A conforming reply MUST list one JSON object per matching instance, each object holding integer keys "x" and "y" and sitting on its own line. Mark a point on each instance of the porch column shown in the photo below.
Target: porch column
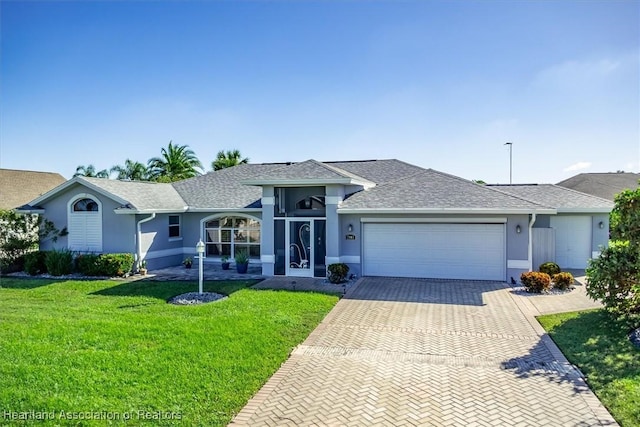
{"x": 334, "y": 195}
{"x": 267, "y": 256}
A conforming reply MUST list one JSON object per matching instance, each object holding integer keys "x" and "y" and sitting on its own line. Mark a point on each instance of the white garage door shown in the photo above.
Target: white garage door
{"x": 444, "y": 251}
{"x": 573, "y": 240}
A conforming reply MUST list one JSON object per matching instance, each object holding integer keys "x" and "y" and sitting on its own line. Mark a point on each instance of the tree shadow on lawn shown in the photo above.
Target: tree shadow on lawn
{"x": 593, "y": 341}
{"x": 26, "y": 282}
{"x": 169, "y": 289}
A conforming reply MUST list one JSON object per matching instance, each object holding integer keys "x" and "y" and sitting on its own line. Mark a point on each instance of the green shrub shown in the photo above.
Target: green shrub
{"x": 551, "y": 268}
{"x": 116, "y": 264}
{"x": 614, "y": 279}
{"x": 89, "y": 265}
{"x": 338, "y": 272}
{"x": 563, "y": 281}
{"x": 12, "y": 265}
{"x": 59, "y": 262}
{"x": 35, "y": 263}
{"x": 536, "y": 282}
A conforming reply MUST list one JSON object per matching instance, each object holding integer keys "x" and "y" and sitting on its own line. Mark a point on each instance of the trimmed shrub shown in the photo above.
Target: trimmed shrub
{"x": 89, "y": 265}
{"x": 536, "y": 282}
{"x": 116, "y": 264}
{"x": 59, "y": 262}
{"x": 35, "y": 263}
{"x": 563, "y": 281}
{"x": 551, "y": 268}
{"x": 614, "y": 279}
{"x": 338, "y": 272}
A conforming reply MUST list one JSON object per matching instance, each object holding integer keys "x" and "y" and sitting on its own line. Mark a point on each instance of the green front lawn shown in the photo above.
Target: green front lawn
{"x": 117, "y": 350}
{"x": 599, "y": 346}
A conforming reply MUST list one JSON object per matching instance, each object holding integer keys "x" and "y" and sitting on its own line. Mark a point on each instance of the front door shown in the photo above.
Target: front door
{"x": 305, "y": 247}
{"x": 300, "y": 253}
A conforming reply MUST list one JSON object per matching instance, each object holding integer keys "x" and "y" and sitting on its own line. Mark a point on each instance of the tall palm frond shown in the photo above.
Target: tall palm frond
{"x": 90, "y": 172}
{"x": 132, "y": 171}
{"x": 228, "y": 159}
{"x": 176, "y": 162}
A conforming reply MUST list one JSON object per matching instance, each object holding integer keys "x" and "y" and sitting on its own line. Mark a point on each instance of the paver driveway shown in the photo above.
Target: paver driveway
{"x": 425, "y": 352}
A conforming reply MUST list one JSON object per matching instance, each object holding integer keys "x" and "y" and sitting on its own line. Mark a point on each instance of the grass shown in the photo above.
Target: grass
{"x": 599, "y": 346}
{"x": 113, "y": 349}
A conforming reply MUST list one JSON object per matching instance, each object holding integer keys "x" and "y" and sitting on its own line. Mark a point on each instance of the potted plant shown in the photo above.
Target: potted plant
{"x": 143, "y": 268}
{"x": 242, "y": 261}
{"x": 225, "y": 262}
{"x": 188, "y": 262}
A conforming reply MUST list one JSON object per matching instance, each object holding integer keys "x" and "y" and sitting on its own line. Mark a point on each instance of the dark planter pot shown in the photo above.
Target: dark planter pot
{"x": 242, "y": 268}
{"x": 187, "y": 265}
{"x": 225, "y": 265}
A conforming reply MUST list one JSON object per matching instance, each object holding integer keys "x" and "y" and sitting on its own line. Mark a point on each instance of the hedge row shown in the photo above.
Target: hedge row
{"x": 63, "y": 262}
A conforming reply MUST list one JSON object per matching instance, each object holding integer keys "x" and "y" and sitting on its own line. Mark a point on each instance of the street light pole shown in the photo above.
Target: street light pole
{"x": 510, "y": 144}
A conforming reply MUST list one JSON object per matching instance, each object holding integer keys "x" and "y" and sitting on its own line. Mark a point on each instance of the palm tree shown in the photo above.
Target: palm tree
{"x": 226, "y": 160}
{"x": 132, "y": 171}
{"x": 176, "y": 163}
{"x": 90, "y": 172}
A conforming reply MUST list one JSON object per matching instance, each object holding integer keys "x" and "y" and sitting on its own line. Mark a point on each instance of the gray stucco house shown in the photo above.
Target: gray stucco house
{"x": 381, "y": 217}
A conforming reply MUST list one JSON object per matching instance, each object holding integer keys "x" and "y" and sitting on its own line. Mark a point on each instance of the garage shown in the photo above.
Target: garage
{"x": 435, "y": 250}
{"x": 573, "y": 240}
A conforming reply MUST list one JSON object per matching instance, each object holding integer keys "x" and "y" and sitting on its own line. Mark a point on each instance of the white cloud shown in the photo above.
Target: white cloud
{"x": 576, "y": 73}
{"x": 578, "y": 166}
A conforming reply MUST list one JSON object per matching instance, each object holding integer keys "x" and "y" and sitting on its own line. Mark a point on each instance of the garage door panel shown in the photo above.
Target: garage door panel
{"x": 457, "y": 251}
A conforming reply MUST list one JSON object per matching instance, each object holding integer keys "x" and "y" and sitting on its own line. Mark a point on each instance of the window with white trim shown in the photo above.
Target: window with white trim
{"x": 174, "y": 226}
{"x": 84, "y": 222}
{"x": 226, "y": 236}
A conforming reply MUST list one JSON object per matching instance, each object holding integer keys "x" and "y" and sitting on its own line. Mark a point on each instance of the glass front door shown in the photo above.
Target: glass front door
{"x": 300, "y": 249}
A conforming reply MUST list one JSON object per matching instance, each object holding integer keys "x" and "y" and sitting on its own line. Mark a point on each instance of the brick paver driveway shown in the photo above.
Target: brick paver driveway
{"x": 424, "y": 352}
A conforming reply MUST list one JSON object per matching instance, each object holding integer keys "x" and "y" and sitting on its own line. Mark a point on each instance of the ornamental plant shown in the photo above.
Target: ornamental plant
{"x": 562, "y": 281}
{"x": 338, "y": 272}
{"x": 536, "y": 282}
{"x": 551, "y": 268}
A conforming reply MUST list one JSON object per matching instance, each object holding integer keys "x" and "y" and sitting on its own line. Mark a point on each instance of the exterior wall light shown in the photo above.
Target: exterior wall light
{"x": 601, "y": 224}
{"x": 518, "y": 229}
{"x": 350, "y": 228}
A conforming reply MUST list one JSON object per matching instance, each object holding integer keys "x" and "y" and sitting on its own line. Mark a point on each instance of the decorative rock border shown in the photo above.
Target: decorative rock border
{"x": 193, "y": 298}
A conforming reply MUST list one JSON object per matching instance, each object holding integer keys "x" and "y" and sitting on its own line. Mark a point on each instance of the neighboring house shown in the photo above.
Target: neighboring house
{"x": 381, "y": 217}
{"x": 605, "y": 185}
{"x": 18, "y": 187}
{"x": 575, "y": 234}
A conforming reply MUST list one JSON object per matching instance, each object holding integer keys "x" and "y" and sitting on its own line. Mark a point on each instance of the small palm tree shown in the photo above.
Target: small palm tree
{"x": 228, "y": 159}
{"x": 132, "y": 171}
{"x": 177, "y": 162}
{"x": 90, "y": 172}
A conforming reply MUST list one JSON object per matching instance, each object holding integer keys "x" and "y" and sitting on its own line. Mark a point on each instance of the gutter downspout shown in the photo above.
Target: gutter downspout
{"x": 530, "y": 248}
{"x": 139, "y": 237}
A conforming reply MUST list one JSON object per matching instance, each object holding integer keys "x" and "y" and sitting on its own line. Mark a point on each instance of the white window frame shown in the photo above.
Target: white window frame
{"x": 73, "y": 216}
{"x": 232, "y": 229}
{"x": 178, "y": 225}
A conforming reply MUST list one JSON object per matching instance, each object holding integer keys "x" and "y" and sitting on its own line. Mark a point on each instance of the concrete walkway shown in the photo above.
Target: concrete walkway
{"x": 423, "y": 352}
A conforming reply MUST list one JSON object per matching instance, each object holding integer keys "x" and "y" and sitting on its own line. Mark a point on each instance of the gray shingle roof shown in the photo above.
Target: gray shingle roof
{"x": 140, "y": 195}
{"x": 558, "y": 197}
{"x": 18, "y": 187}
{"x": 430, "y": 189}
{"x": 222, "y": 189}
{"x": 605, "y": 185}
{"x": 379, "y": 171}
{"x": 308, "y": 171}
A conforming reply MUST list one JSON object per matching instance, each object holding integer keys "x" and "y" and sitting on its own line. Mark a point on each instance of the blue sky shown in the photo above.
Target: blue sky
{"x": 438, "y": 84}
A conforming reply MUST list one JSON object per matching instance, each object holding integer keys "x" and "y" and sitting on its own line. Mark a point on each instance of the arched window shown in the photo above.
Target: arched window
{"x": 227, "y": 235}
{"x": 85, "y": 205}
{"x": 85, "y": 223}
{"x": 311, "y": 202}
